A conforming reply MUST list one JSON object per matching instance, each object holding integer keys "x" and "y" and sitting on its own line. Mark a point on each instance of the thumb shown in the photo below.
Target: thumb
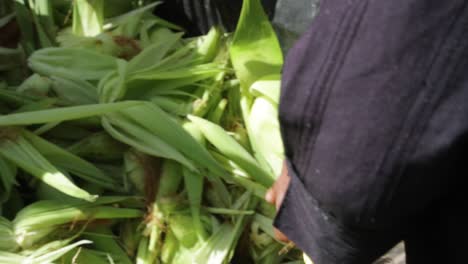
{"x": 270, "y": 196}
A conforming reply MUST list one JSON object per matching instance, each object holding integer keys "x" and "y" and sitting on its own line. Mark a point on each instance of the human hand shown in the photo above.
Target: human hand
{"x": 275, "y": 196}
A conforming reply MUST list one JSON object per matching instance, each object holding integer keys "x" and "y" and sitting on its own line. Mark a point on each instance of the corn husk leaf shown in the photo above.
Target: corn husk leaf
{"x": 72, "y": 63}
{"x": 255, "y": 51}
{"x": 23, "y": 154}
{"x": 63, "y": 114}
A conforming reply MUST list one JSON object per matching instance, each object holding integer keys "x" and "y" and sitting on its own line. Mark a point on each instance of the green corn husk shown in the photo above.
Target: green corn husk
{"x": 268, "y": 87}
{"x": 72, "y": 163}
{"x": 54, "y": 250}
{"x": 264, "y": 124}
{"x": 115, "y": 94}
{"x": 170, "y": 180}
{"x": 229, "y": 147}
{"x": 45, "y": 254}
{"x": 43, "y": 17}
{"x": 216, "y": 114}
{"x": 63, "y": 114}
{"x": 155, "y": 53}
{"x": 7, "y": 236}
{"x": 194, "y": 187}
{"x": 135, "y": 171}
{"x": 221, "y": 244}
{"x": 11, "y": 258}
{"x": 85, "y": 255}
{"x": 16, "y": 98}
{"x": 10, "y": 58}
{"x": 23, "y": 154}
{"x": 88, "y": 17}
{"x": 37, "y": 106}
{"x": 25, "y": 22}
{"x": 173, "y": 105}
{"x": 130, "y": 236}
{"x": 210, "y": 44}
{"x": 7, "y": 179}
{"x": 169, "y": 248}
{"x": 179, "y": 222}
{"x": 98, "y": 146}
{"x": 72, "y": 63}
{"x": 255, "y": 52}
{"x": 105, "y": 241}
{"x": 126, "y": 131}
{"x": 239, "y": 176}
{"x": 35, "y": 85}
{"x": 143, "y": 256}
{"x": 74, "y": 92}
{"x": 173, "y": 133}
{"x": 38, "y": 220}
{"x": 13, "y": 205}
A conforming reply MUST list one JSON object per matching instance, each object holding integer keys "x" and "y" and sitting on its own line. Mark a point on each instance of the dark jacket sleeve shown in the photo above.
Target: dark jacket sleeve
{"x": 374, "y": 119}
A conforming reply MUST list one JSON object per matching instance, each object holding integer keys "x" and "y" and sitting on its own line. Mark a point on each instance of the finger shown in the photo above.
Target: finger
{"x": 280, "y": 236}
{"x": 271, "y": 196}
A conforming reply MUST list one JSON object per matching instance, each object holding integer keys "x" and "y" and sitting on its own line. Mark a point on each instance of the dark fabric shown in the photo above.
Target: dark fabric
{"x": 439, "y": 235}
{"x": 374, "y": 117}
{"x": 322, "y": 237}
{"x": 290, "y": 18}
{"x": 198, "y": 16}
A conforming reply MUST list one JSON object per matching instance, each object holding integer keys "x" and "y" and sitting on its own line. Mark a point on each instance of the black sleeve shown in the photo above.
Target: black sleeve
{"x": 374, "y": 117}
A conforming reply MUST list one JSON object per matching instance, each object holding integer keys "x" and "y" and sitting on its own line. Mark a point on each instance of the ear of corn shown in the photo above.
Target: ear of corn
{"x": 38, "y": 220}
{"x": 264, "y": 124}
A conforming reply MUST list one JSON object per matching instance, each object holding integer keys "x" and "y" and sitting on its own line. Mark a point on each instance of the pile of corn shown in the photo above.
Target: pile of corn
{"x": 122, "y": 141}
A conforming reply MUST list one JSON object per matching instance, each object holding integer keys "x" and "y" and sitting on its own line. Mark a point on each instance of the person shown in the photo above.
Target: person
{"x": 374, "y": 118}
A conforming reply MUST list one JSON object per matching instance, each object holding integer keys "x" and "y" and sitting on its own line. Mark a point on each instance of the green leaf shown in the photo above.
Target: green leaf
{"x": 266, "y": 135}
{"x": 155, "y": 53}
{"x": 22, "y": 153}
{"x": 7, "y": 179}
{"x": 269, "y": 87}
{"x": 194, "y": 187}
{"x": 126, "y": 131}
{"x": 88, "y": 17}
{"x": 71, "y": 163}
{"x": 7, "y": 236}
{"x": 171, "y": 132}
{"x": 228, "y": 146}
{"x": 74, "y": 92}
{"x": 63, "y": 114}
{"x": 72, "y": 63}
{"x": 255, "y": 50}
